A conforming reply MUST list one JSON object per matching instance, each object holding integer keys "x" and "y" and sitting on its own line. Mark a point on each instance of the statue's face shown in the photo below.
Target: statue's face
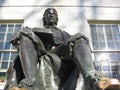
{"x": 50, "y": 17}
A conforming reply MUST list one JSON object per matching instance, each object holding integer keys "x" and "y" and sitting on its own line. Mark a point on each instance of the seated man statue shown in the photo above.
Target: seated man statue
{"x": 50, "y": 59}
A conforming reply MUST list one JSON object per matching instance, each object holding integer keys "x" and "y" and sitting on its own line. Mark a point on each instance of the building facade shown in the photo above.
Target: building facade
{"x": 99, "y": 20}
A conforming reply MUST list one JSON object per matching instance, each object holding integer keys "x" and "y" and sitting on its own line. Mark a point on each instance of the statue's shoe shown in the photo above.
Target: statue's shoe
{"x": 17, "y": 88}
{"x": 109, "y": 84}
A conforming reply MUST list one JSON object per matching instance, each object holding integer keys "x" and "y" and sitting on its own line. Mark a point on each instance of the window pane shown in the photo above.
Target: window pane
{"x": 96, "y": 56}
{"x": 1, "y": 45}
{"x": 108, "y": 33}
{"x": 108, "y": 74}
{"x": 94, "y": 33}
{"x": 17, "y": 27}
{"x": 117, "y": 45}
{"x": 115, "y": 74}
{"x": 0, "y": 55}
{"x": 11, "y": 63}
{"x": 109, "y": 37}
{"x": 13, "y": 47}
{"x": 112, "y": 57}
{"x": 100, "y": 32}
{"x": 106, "y": 68}
{"x": 2, "y": 36}
{"x": 116, "y": 36}
{"x": 95, "y": 45}
{"x": 111, "y": 45}
{"x": 4, "y": 65}
{"x": 102, "y": 57}
{"x": 115, "y": 68}
{"x": 102, "y": 46}
{"x": 6, "y": 55}
{"x": 115, "y": 32}
{"x": 3, "y": 28}
{"x": 115, "y": 28}
{"x": 118, "y": 56}
{"x": 10, "y": 27}
{"x": 13, "y": 55}
{"x": 2, "y": 74}
{"x": 7, "y": 45}
{"x": 9, "y": 36}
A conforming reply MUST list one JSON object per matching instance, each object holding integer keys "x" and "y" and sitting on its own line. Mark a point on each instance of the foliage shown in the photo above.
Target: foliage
{"x": 2, "y": 78}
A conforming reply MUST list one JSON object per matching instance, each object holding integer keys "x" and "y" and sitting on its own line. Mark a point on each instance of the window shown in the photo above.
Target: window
{"x": 106, "y": 48}
{"x": 7, "y": 50}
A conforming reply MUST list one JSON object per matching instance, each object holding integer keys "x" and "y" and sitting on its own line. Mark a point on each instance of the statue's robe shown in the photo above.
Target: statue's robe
{"x": 56, "y": 68}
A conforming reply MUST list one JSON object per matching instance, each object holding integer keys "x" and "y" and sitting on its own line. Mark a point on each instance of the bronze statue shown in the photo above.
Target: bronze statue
{"x": 50, "y": 59}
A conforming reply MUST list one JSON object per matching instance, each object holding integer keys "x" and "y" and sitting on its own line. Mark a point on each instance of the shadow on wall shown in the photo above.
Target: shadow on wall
{"x": 38, "y": 9}
{"x": 34, "y": 17}
{"x": 1, "y": 4}
{"x": 84, "y": 6}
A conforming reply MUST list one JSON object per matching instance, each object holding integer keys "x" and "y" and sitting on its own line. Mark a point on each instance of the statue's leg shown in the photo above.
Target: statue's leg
{"x": 82, "y": 56}
{"x": 78, "y": 50}
{"x": 28, "y": 57}
{"x": 83, "y": 59}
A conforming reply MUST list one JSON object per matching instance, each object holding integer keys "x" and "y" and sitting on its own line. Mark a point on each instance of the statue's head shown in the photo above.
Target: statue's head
{"x": 50, "y": 17}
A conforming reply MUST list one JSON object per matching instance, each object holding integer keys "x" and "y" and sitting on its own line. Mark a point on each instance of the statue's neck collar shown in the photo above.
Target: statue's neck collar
{"x": 50, "y": 26}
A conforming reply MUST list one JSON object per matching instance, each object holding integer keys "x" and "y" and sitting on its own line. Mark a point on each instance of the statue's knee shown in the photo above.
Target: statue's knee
{"x": 26, "y": 43}
{"x": 26, "y": 39}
